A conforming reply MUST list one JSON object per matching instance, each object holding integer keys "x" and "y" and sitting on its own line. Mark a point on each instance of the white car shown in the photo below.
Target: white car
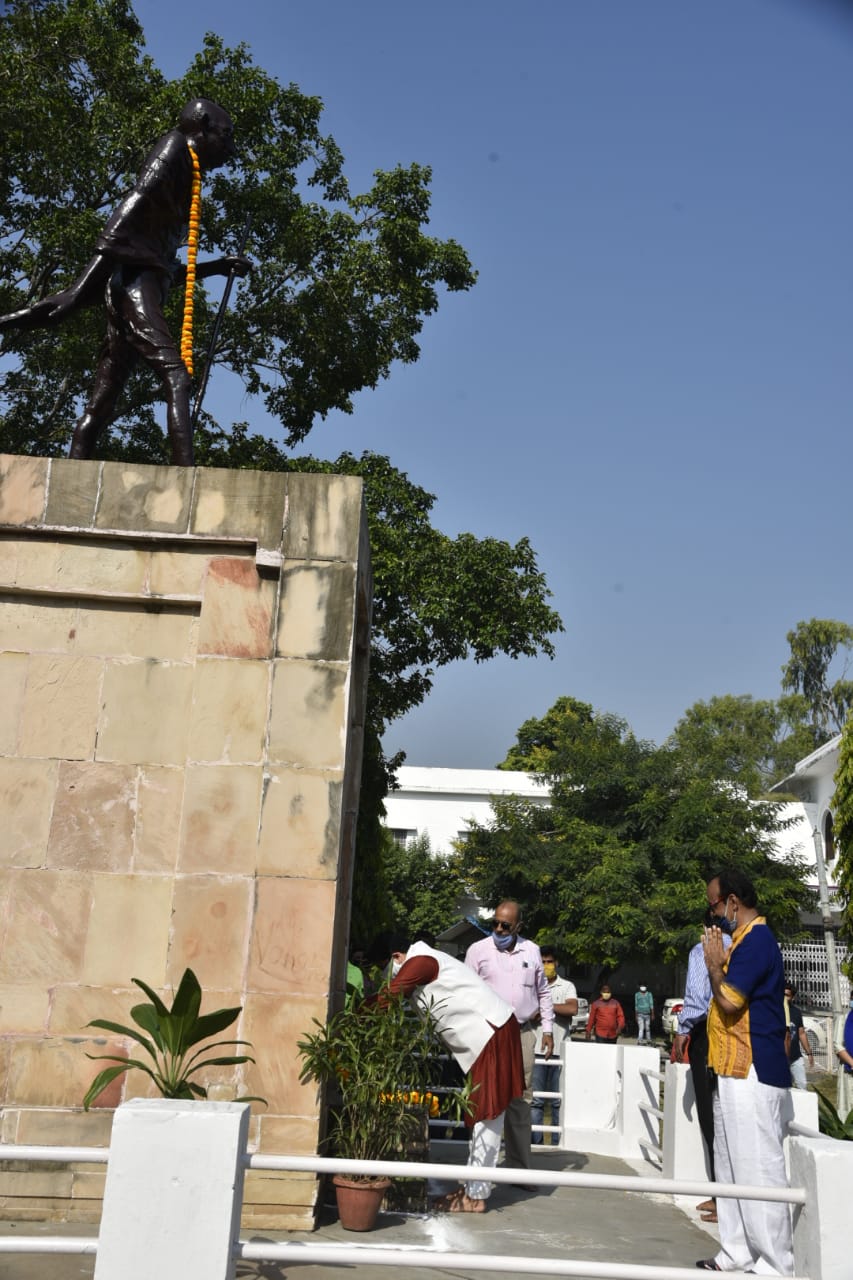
{"x": 669, "y": 1018}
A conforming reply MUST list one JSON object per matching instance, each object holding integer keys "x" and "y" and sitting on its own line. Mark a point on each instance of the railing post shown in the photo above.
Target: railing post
{"x": 174, "y": 1190}
{"x": 636, "y": 1125}
{"x": 684, "y": 1154}
{"x": 824, "y": 1166}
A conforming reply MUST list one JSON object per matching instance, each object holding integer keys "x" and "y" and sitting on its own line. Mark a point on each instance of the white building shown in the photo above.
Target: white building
{"x": 440, "y": 803}
{"x": 813, "y": 783}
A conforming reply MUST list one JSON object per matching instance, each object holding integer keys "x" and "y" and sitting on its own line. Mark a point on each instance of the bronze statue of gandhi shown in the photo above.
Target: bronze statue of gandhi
{"x": 134, "y": 266}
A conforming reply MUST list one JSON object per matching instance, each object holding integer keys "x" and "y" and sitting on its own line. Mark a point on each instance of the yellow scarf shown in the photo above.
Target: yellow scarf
{"x": 729, "y": 1043}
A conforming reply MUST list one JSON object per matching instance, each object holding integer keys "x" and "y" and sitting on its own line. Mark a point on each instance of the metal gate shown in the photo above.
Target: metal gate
{"x": 806, "y": 967}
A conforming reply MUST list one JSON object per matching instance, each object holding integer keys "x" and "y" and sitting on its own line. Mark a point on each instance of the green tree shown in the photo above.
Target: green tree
{"x": 815, "y": 646}
{"x": 733, "y": 736}
{"x": 424, "y": 888}
{"x": 842, "y": 808}
{"x": 343, "y": 280}
{"x": 538, "y": 739}
{"x": 616, "y": 867}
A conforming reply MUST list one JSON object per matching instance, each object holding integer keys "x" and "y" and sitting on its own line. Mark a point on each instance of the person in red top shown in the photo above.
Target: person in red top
{"x": 481, "y": 1031}
{"x": 606, "y": 1018}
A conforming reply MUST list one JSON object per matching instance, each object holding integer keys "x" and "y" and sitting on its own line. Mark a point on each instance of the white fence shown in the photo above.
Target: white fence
{"x": 174, "y": 1191}
{"x": 174, "y": 1182}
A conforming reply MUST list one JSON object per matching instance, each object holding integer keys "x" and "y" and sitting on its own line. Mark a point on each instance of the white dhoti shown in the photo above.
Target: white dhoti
{"x": 750, "y": 1120}
{"x": 484, "y": 1150}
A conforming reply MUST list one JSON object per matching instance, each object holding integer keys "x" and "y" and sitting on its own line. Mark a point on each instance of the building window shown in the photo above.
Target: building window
{"x": 829, "y": 849}
{"x": 402, "y": 836}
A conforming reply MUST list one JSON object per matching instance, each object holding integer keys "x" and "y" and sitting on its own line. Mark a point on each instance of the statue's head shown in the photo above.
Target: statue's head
{"x": 211, "y": 131}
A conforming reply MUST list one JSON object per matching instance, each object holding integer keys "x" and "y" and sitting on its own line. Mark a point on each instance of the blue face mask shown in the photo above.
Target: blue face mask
{"x": 503, "y": 941}
{"x": 725, "y": 925}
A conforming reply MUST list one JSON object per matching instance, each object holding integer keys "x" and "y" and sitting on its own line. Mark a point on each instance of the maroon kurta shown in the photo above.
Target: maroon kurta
{"x": 498, "y": 1071}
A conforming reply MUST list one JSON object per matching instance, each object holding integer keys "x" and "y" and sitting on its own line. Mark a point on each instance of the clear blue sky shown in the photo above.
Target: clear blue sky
{"x": 652, "y": 379}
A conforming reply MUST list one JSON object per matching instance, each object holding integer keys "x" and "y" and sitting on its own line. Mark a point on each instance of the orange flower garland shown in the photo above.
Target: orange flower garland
{"x": 192, "y": 254}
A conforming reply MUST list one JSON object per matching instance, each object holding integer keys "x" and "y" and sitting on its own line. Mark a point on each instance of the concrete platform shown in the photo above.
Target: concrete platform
{"x": 594, "y": 1226}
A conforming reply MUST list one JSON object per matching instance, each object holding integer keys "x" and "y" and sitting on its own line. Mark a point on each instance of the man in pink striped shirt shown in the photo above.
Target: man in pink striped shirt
{"x": 512, "y": 967}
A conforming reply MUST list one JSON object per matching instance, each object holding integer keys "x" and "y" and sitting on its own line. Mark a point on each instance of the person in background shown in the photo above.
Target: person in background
{"x": 692, "y": 1040}
{"x": 355, "y": 977}
{"x": 644, "y": 1010}
{"x": 547, "y": 1075}
{"x": 752, "y": 1103}
{"x": 796, "y": 1039}
{"x": 512, "y": 966}
{"x": 606, "y": 1017}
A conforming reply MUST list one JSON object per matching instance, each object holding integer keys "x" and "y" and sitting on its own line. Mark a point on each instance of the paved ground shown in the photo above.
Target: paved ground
{"x": 594, "y": 1226}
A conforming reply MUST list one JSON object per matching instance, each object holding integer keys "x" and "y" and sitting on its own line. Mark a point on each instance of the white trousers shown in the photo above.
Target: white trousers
{"x": 750, "y": 1119}
{"x": 798, "y": 1074}
{"x": 484, "y": 1149}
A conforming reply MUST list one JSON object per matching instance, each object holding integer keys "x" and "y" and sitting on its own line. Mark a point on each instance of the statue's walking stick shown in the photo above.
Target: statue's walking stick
{"x": 214, "y": 337}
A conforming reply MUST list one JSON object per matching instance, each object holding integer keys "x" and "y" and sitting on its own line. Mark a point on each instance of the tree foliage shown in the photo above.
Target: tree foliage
{"x": 814, "y": 647}
{"x": 616, "y": 867}
{"x": 741, "y": 738}
{"x": 757, "y": 742}
{"x": 424, "y": 888}
{"x": 343, "y": 280}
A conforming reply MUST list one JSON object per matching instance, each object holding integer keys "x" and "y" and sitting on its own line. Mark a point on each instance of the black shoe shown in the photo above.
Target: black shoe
{"x": 707, "y": 1264}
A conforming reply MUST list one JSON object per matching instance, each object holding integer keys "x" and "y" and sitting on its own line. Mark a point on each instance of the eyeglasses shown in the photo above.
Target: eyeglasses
{"x": 715, "y": 903}
{"x": 501, "y": 926}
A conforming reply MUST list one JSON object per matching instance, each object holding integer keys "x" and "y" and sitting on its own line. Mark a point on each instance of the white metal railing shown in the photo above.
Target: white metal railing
{"x": 653, "y": 1147}
{"x": 460, "y": 1173}
{"x": 541, "y": 1093}
{"x": 347, "y": 1255}
{"x": 804, "y": 1130}
{"x": 533, "y": 1177}
{"x": 438, "y": 1127}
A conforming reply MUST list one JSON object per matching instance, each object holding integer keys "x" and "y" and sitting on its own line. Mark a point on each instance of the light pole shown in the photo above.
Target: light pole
{"x": 829, "y": 943}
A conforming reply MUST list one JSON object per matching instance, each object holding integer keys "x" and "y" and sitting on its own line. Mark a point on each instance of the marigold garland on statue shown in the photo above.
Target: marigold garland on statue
{"x": 192, "y": 255}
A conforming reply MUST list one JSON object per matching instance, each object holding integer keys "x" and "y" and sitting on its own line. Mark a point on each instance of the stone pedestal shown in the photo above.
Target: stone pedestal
{"x": 183, "y": 658}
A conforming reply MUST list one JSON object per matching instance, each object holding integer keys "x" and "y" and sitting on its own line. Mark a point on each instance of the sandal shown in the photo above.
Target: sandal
{"x": 707, "y": 1205}
{"x": 464, "y": 1204}
{"x": 444, "y": 1204}
{"x": 708, "y": 1264}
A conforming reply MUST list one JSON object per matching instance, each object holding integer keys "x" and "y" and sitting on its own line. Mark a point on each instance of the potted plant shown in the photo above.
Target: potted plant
{"x": 168, "y": 1036}
{"x": 375, "y": 1062}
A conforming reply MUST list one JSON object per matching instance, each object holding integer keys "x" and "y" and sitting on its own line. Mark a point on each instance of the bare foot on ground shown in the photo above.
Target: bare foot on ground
{"x": 458, "y": 1202}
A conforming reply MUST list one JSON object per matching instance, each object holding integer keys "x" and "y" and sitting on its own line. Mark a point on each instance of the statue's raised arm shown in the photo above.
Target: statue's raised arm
{"x": 134, "y": 266}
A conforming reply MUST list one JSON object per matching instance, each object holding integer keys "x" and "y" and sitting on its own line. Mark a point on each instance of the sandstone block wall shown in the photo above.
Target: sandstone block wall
{"x": 183, "y": 655}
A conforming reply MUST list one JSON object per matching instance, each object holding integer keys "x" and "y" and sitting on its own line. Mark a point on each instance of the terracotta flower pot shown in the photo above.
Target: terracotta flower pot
{"x": 359, "y": 1200}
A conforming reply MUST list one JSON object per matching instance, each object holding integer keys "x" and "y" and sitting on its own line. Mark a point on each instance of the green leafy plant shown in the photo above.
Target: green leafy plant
{"x": 377, "y": 1063}
{"x": 830, "y": 1121}
{"x": 170, "y": 1036}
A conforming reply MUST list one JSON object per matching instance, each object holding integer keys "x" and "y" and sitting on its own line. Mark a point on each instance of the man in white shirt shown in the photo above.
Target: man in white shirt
{"x": 547, "y": 1076}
